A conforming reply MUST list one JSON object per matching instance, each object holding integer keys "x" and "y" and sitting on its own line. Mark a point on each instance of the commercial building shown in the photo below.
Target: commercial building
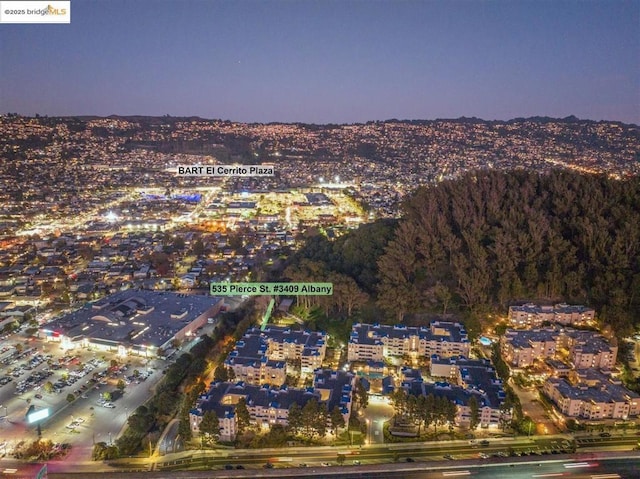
{"x": 374, "y": 342}
{"x": 133, "y": 322}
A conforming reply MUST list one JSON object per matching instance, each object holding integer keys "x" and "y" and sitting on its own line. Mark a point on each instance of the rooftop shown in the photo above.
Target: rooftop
{"x": 132, "y": 317}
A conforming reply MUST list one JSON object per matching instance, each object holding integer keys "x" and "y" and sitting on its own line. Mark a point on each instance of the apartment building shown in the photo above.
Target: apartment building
{"x": 286, "y": 344}
{"x": 602, "y": 399}
{"x": 586, "y": 349}
{"x": 464, "y": 379}
{"x": 521, "y": 348}
{"x": 262, "y": 357}
{"x": 374, "y": 342}
{"x": 269, "y": 405}
{"x": 533, "y": 315}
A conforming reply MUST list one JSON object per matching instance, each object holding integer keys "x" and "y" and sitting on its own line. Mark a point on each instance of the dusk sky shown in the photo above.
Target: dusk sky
{"x": 328, "y": 61}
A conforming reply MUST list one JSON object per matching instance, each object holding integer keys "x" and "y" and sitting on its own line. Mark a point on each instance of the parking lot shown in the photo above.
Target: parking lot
{"x": 72, "y": 385}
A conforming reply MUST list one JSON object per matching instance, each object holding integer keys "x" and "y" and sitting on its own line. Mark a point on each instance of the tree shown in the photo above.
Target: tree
{"x": 198, "y": 247}
{"x": 398, "y": 292}
{"x": 474, "y": 412}
{"x": 429, "y": 411}
{"x": 121, "y": 385}
{"x": 166, "y": 402}
{"x": 399, "y": 400}
{"x": 140, "y": 421}
{"x": 276, "y": 437}
{"x": 443, "y": 295}
{"x": 48, "y": 387}
{"x": 294, "y": 419}
{"x": 337, "y": 419}
{"x": 243, "y": 416}
{"x": 106, "y": 396}
{"x": 210, "y": 427}
{"x": 310, "y": 413}
{"x": 451, "y": 412}
{"x": 347, "y": 295}
{"x": 178, "y": 243}
{"x": 322, "y": 418}
{"x": 70, "y": 398}
{"x": 199, "y": 388}
{"x": 221, "y": 373}
{"x": 361, "y": 397}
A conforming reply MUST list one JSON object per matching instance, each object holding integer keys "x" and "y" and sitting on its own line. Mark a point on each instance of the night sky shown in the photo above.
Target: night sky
{"x": 328, "y": 61}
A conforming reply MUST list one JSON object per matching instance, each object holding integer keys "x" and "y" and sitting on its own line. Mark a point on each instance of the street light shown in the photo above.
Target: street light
{"x": 368, "y": 431}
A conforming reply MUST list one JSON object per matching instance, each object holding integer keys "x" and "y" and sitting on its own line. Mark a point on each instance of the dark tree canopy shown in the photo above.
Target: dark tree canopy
{"x": 491, "y": 238}
{"x": 486, "y": 240}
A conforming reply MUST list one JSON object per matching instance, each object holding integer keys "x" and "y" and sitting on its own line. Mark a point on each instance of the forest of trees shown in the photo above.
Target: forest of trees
{"x": 488, "y": 239}
{"x": 491, "y": 238}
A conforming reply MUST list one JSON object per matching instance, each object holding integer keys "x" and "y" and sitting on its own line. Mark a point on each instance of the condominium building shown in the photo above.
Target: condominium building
{"x": 586, "y": 349}
{"x": 521, "y": 348}
{"x": 464, "y": 378}
{"x": 260, "y": 357}
{"x": 589, "y": 350}
{"x": 602, "y": 399}
{"x": 374, "y": 342}
{"x": 269, "y": 405}
{"x": 533, "y": 315}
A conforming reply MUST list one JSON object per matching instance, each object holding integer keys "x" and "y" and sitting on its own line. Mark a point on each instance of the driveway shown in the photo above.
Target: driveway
{"x": 377, "y": 412}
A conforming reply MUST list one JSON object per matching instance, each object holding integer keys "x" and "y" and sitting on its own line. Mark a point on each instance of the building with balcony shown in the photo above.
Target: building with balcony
{"x": 603, "y": 398}
{"x": 374, "y": 342}
{"x": 533, "y": 315}
{"x": 262, "y": 357}
{"x": 269, "y": 405}
{"x": 584, "y": 349}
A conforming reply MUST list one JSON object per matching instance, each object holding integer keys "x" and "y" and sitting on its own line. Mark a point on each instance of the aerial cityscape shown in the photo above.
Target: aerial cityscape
{"x": 341, "y": 255}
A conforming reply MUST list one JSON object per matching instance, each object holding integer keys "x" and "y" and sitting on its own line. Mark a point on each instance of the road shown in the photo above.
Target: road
{"x": 379, "y": 454}
{"x": 385, "y": 456}
{"x": 624, "y": 466}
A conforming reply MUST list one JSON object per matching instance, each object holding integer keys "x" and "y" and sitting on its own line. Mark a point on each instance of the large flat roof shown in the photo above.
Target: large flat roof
{"x": 133, "y": 317}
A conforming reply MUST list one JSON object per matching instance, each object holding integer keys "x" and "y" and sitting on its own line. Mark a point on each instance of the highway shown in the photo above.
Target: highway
{"x": 595, "y": 466}
{"x": 387, "y": 455}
